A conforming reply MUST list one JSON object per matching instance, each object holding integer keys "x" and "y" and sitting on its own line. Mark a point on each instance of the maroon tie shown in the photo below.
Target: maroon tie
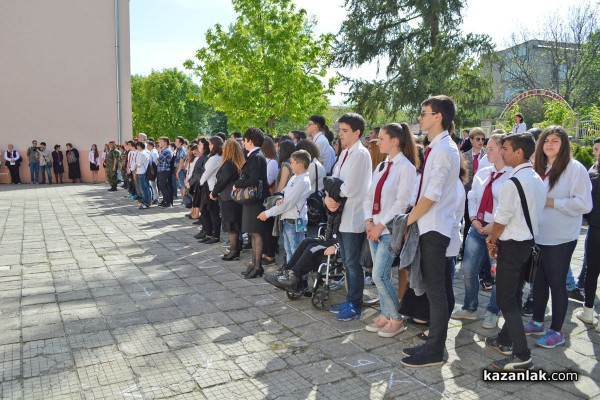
{"x": 344, "y": 160}
{"x": 422, "y": 173}
{"x": 487, "y": 201}
{"x": 378, "y": 189}
{"x": 475, "y": 163}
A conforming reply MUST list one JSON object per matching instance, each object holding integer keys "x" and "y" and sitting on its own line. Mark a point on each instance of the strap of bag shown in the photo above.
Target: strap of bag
{"x": 317, "y": 180}
{"x": 523, "y": 204}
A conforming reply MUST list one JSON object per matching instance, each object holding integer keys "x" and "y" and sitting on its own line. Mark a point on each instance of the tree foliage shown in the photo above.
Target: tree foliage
{"x": 165, "y": 103}
{"x": 424, "y": 52}
{"x": 562, "y": 54}
{"x": 267, "y": 67}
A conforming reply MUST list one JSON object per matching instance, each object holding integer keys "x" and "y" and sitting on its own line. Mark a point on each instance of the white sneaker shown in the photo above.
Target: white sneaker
{"x": 490, "y": 321}
{"x": 586, "y": 315}
{"x": 464, "y": 314}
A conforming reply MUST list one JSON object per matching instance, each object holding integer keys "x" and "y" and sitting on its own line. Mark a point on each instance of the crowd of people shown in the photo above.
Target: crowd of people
{"x": 389, "y": 199}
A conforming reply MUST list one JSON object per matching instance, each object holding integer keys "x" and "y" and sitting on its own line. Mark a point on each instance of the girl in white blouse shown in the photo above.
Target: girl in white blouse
{"x": 569, "y": 197}
{"x": 390, "y": 194}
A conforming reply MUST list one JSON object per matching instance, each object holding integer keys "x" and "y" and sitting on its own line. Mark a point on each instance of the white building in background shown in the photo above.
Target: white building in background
{"x": 64, "y": 75}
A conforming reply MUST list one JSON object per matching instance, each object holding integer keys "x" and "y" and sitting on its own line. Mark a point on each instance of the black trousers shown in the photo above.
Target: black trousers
{"x": 165, "y": 186}
{"x": 433, "y": 246}
{"x": 512, "y": 258}
{"x": 592, "y": 249}
{"x": 308, "y": 255}
{"x": 14, "y": 173}
{"x": 210, "y": 215}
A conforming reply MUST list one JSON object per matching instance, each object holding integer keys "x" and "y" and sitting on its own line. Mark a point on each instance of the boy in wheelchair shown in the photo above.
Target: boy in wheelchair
{"x": 309, "y": 254}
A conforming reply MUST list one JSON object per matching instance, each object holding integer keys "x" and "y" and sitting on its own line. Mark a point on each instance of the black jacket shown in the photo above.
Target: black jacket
{"x": 198, "y": 170}
{"x": 594, "y": 216}
{"x": 253, "y": 172}
{"x": 226, "y": 177}
{"x": 333, "y": 187}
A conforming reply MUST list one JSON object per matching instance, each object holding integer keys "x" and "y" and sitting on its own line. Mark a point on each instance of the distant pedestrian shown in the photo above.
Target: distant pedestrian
{"x": 13, "y": 162}
{"x": 94, "y": 162}
{"x": 73, "y": 162}
{"x": 58, "y": 163}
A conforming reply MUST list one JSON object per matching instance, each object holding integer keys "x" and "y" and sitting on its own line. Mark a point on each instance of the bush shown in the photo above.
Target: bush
{"x": 583, "y": 154}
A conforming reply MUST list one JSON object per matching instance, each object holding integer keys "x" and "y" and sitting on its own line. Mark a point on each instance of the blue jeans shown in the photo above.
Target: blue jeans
{"x": 46, "y": 169}
{"x": 382, "y": 273}
{"x": 145, "y": 188}
{"x": 475, "y": 258}
{"x": 181, "y": 179}
{"x": 291, "y": 238}
{"x": 34, "y": 170}
{"x": 350, "y": 249}
{"x": 571, "y": 285}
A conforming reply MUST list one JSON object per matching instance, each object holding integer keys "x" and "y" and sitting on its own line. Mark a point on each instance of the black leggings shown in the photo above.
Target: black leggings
{"x": 592, "y": 250}
{"x": 551, "y": 275}
{"x": 211, "y": 218}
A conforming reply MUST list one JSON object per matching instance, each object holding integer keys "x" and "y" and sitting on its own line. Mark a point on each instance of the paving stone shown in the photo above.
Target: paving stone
{"x": 235, "y": 389}
{"x": 323, "y": 372}
{"x": 63, "y": 384}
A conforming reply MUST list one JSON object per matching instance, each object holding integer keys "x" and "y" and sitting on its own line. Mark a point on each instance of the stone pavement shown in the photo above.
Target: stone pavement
{"x": 101, "y": 300}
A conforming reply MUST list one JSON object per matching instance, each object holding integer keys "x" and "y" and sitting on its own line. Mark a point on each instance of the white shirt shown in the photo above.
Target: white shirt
{"x": 396, "y": 193}
{"x": 509, "y": 211}
{"x": 326, "y": 151}
{"x": 93, "y": 160}
{"x": 210, "y": 171}
{"x": 154, "y": 154}
{"x": 132, "y": 160}
{"x": 11, "y": 160}
{"x": 314, "y": 167}
{"x": 519, "y": 128}
{"x": 141, "y": 161}
{"x": 295, "y": 194}
{"x": 439, "y": 180}
{"x": 272, "y": 170}
{"x": 572, "y": 196}
{"x": 480, "y": 181}
{"x": 190, "y": 169}
{"x": 356, "y": 174}
{"x": 455, "y": 239}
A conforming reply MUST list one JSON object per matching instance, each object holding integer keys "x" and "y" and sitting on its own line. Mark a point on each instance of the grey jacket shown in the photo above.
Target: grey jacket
{"x": 409, "y": 252}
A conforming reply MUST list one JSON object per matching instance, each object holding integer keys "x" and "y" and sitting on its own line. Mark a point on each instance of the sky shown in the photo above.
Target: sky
{"x": 165, "y": 33}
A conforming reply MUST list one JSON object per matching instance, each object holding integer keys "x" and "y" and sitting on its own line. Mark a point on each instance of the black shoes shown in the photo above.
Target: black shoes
{"x": 422, "y": 359}
{"x": 212, "y": 240}
{"x": 255, "y": 272}
{"x": 493, "y": 342}
{"x": 527, "y": 309}
{"x": 248, "y": 270}
{"x": 200, "y": 235}
{"x": 287, "y": 281}
{"x": 512, "y": 363}
{"x": 576, "y": 294}
{"x": 231, "y": 256}
{"x": 143, "y": 206}
{"x": 411, "y": 351}
{"x": 112, "y": 189}
{"x": 165, "y": 205}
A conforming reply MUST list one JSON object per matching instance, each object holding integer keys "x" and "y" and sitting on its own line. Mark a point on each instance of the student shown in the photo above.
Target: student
{"x": 142, "y": 160}
{"x": 510, "y": 243}
{"x": 164, "y": 172}
{"x": 316, "y": 129}
{"x": 292, "y": 208}
{"x": 390, "y": 194}
{"x": 354, "y": 169}
{"x": 569, "y": 197}
{"x": 434, "y": 215}
{"x": 519, "y": 126}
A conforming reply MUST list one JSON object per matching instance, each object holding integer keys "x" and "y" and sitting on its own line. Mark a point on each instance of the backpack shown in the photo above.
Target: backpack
{"x": 151, "y": 171}
{"x": 172, "y": 166}
{"x": 315, "y": 205}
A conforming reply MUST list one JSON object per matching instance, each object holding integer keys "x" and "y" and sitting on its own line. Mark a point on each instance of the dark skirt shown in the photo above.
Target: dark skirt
{"x": 231, "y": 216}
{"x": 197, "y": 196}
{"x": 94, "y": 167}
{"x": 58, "y": 168}
{"x": 415, "y": 306}
{"x": 250, "y": 223}
{"x": 74, "y": 170}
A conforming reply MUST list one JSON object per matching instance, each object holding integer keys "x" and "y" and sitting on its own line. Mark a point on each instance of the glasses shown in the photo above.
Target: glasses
{"x": 310, "y": 123}
{"x": 478, "y": 139}
{"x": 427, "y": 112}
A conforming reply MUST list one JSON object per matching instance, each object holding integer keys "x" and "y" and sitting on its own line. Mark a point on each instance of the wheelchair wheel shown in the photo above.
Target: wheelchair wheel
{"x": 321, "y": 300}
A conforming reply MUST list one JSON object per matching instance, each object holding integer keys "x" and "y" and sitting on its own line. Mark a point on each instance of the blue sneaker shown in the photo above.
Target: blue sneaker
{"x": 534, "y": 328}
{"x": 349, "y": 313}
{"x": 340, "y": 307}
{"x": 551, "y": 339}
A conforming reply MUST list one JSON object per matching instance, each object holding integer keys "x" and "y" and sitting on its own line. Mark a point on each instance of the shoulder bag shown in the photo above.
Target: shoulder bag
{"x": 314, "y": 203}
{"x": 536, "y": 254}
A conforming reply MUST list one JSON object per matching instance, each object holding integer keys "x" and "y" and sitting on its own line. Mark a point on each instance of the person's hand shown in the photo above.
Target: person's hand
{"x": 213, "y": 198}
{"x": 329, "y": 251}
{"x": 279, "y": 202}
{"x": 487, "y": 230}
{"x": 492, "y": 247}
{"x": 331, "y": 204}
{"x": 233, "y": 188}
{"x": 374, "y": 233}
{"x": 549, "y": 202}
{"x": 262, "y": 216}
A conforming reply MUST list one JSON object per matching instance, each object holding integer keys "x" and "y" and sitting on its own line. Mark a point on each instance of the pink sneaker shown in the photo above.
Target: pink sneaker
{"x": 392, "y": 328}
{"x": 377, "y": 324}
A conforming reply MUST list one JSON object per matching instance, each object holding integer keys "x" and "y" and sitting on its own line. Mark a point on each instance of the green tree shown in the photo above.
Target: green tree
{"x": 166, "y": 103}
{"x": 425, "y": 54}
{"x": 266, "y": 67}
{"x": 558, "y": 113}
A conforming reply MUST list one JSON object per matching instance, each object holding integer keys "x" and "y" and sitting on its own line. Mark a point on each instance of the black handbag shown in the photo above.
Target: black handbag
{"x": 536, "y": 252}
{"x": 314, "y": 204}
{"x": 248, "y": 195}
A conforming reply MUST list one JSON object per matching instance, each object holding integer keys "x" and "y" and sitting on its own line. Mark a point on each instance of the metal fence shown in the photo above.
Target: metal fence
{"x": 586, "y": 129}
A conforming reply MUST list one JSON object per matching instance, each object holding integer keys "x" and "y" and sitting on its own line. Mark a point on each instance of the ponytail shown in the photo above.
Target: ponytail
{"x": 406, "y": 142}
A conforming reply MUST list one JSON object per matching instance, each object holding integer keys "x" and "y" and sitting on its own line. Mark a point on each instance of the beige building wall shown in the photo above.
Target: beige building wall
{"x": 58, "y": 75}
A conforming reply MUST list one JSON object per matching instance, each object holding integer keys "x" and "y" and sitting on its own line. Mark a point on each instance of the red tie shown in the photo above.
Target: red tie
{"x": 423, "y": 173}
{"x": 475, "y": 163}
{"x": 344, "y": 160}
{"x": 377, "y": 201}
{"x": 487, "y": 201}
{"x": 545, "y": 174}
